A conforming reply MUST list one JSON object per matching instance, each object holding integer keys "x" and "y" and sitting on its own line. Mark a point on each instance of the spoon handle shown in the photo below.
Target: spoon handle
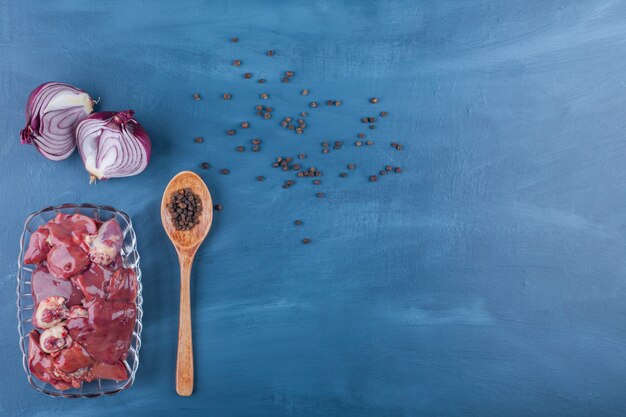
{"x": 184, "y": 359}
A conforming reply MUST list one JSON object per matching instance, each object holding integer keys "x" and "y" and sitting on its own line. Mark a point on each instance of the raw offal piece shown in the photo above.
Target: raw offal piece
{"x": 54, "y": 339}
{"x": 101, "y": 370}
{"x": 41, "y": 364}
{"x": 50, "y": 312}
{"x": 93, "y": 281}
{"x": 38, "y": 247}
{"x": 44, "y": 285}
{"x": 66, "y": 261}
{"x": 122, "y": 285}
{"x": 72, "y": 359}
{"x": 107, "y": 332}
{"x": 106, "y": 245}
{"x": 68, "y": 229}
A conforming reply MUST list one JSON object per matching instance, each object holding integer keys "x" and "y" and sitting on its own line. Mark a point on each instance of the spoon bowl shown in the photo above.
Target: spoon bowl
{"x": 186, "y": 243}
{"x": 186, "y": 239}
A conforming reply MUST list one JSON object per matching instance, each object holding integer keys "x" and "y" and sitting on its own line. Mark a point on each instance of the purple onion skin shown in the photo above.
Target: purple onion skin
{"x": 102, "y": 133}
{"x": 52, "y": 131}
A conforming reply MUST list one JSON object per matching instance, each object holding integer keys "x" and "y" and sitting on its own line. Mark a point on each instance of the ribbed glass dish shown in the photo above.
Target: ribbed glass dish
{"x": 25, "y": 305}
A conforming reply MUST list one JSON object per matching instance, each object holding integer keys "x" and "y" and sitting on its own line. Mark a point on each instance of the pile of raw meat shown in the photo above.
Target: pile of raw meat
{"x": 84, "y": 299}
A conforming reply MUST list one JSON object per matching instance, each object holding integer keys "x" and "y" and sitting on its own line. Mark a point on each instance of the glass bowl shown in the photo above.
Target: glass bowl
{"x": 25, "y": 305}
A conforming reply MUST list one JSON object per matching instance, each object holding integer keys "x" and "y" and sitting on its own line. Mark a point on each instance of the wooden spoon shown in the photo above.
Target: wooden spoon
{"x": 186, "y": 243}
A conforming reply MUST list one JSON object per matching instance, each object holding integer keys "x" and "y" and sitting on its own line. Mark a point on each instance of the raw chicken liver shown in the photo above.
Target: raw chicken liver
{"x": 44, "y": 285}
{"x": 107, "y": 331}
{"x": 84, "y": 301}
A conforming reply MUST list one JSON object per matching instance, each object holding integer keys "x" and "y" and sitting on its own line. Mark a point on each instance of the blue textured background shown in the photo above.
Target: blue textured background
{"x": 486, "y": 280}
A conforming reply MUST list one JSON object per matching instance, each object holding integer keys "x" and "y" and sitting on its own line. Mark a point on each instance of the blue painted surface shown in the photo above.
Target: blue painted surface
{"x": 487, "y": 279}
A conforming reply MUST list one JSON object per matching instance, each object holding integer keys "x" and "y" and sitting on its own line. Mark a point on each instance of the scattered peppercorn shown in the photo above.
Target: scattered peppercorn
{"x": 361, "y": 135}
{"x": 317, "y": 182}
{"x": 310, "y": 172}
{"x": 304, "y": 92}
{"x": 373, "y": 100}
{"x": 369, "y": 142}
{"x": 218, "y": 207}
{"x": 397, "y": 170}
{"x": 199, "y": 139}
{"x": 297, "y": 222}
{"x": 384, "y": 114}
{"x": 388, "y": 168}
{"x": 260, "y": 80}
{"x": 372, "y": 126}
{"x": 343, "y": 174}
{"x": 236, "y": 62}
{"x": 264, "y": 96}
{"x": 245, "y": 125}
{"x": 196, "y": 96}
{"x": 205, "y": 165}
{"x": 240, "y": 148}
{"x": 234, "y": 40}
{"x": 319, "y": 195}
{"x": 351, "y": 166}
{"x": 306, "y": 241}
{"x": 358, "y": 143}
{"x": 302, "y": 155}
{"x": 373, "y": 178}
{"x": 231, "y": 132}
{"x": 256, "y": 148}
{"x": 325, "y": 150}
{"x": 313, "y": 104}
{"x": 260, "y": 178}
{"x": 224, "y": 171}
{"x": 226, "y": 96}
{"x": 256, "y": 141}
{"x": 267, "y": 116}
{"x": 247, "y": 75}
{"x": 269, "y": 53}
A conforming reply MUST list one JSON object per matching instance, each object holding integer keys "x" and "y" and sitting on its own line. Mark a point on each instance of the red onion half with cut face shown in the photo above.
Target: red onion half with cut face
{"x": 112, "y": 145}
{"x": 52, "y": 113}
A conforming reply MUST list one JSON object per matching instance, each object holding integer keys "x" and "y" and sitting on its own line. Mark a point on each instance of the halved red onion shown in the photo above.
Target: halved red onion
{"x": 113, "y": 144}
{"x": 52, "y": 113}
